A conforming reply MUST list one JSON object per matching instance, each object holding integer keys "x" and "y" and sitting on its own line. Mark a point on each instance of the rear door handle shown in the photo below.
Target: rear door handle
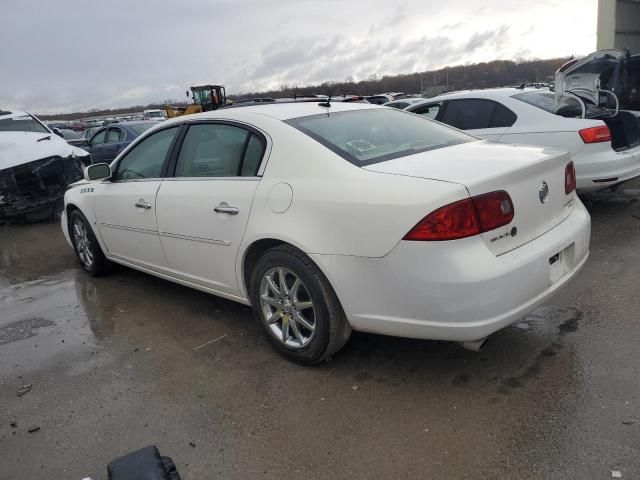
{"x": 143, "y": 204}
{"x": 225, "y": 208}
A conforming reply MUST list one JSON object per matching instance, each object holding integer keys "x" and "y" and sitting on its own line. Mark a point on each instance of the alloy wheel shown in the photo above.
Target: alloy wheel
{"x": 82, "y": 243}
{"x": 287, "y": 307}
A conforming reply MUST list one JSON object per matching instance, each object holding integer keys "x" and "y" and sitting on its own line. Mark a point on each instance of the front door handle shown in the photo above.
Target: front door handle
{"x": 225, "y": 208}
{"x": 143, "y": 204}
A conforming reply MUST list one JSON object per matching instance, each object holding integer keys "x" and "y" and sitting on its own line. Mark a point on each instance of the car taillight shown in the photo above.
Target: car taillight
{"x": 465, "y": 218}
{"x": 595, "y": 134}
{"x": 569, "y": 178}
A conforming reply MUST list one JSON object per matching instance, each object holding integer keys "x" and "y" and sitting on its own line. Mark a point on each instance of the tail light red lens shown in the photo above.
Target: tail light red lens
{"x": 595, "y": 134}
{"x": 464, "y": 218}
{"x": 569, "y": 178}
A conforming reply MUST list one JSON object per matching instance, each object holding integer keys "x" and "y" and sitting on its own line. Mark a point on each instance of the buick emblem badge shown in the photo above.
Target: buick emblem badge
{"x": 543, "y": 192}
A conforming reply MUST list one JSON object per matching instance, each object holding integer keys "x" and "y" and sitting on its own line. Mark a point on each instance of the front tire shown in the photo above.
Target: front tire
{"x": 88, "y": 250}
{"x": 296, "y": 307}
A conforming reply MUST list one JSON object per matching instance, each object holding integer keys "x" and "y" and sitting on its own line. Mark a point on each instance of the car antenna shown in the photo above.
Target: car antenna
{"x": 327, "y": 103}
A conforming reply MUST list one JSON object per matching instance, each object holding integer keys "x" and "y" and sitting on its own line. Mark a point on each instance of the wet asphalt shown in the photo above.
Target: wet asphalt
{"x": 114, "y": 365}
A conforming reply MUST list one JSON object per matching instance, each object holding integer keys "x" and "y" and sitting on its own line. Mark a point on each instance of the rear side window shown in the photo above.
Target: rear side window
{"x": 373, "y": 135}
{"x": 115, "y": 135}
{"x": 99, "y": 137}
{"x": 218, "y": 150}
{"x": 502, "y": 117}
{"x": 475, "y": 114}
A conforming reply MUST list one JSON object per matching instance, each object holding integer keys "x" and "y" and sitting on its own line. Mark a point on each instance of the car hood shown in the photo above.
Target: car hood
{"x": 17, "y": 148}
{"x": 589, "y": 76}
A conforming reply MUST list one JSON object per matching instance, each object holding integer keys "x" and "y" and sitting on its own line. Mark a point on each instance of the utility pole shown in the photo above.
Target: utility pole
{"x": 421, "y": 85}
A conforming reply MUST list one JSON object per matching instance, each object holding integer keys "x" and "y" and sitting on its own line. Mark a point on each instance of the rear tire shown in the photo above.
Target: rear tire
{"x": 296, "y": 307}
{"x": 88, "y": 250}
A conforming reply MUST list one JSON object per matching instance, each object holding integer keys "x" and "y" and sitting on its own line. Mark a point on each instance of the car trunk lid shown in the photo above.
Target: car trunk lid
{"x": 588, "y": 77}
{"x": 484, "y": 167}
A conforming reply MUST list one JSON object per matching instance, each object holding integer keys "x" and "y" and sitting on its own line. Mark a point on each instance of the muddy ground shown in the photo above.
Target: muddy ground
{"x": 114, "y": 366}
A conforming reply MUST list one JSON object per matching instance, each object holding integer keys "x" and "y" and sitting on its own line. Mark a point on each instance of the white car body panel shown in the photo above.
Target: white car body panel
{"x": 351, "y": 221}
{"x": 130, "y": 233}
{"x": 534, "y": 126}
{"x": 191, "y": 230}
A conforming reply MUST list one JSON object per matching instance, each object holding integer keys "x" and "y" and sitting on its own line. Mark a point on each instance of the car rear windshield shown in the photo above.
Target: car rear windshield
{"x": 23, "y": 123}
{"x": 365, "y": 137}
{"x": 543, "y": 100}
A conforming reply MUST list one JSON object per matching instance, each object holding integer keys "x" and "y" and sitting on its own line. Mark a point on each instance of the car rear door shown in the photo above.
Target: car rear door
{"x": 125, "y": 206}
{"x": 203, "y": 210}
{"x": 481, "y": 117}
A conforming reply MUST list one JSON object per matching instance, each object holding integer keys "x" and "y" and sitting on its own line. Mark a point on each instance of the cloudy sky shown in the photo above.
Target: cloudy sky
{"x": 69, "y": 55}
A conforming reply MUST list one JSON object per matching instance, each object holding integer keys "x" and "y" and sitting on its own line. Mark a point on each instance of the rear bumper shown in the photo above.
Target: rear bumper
{"x": 605, "y": 169}
{"x": 454, "y": 290}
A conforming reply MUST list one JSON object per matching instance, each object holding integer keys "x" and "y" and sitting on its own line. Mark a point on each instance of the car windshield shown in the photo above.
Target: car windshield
{"x": 23, "y": 123}
{"x": 365, "y": 137}
{"x": 543, "y": 100}
{"x": 141, "y": 127}
{"x": 155, "y": 114}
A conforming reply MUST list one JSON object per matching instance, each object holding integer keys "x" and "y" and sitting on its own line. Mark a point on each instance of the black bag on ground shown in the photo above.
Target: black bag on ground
{"x": 143, "y": 464}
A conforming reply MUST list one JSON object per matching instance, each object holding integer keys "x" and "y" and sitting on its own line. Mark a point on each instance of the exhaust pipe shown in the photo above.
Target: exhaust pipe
{"x": 474, "y": 345}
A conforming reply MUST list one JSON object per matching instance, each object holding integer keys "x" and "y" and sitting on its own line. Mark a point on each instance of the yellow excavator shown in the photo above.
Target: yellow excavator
{"x": 205, "y": 98}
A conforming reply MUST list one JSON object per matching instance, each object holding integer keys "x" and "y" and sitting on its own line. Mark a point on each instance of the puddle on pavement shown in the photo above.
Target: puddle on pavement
{"x": 41, "y": 320}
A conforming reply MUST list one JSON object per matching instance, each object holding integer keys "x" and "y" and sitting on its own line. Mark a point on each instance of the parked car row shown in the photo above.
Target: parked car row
{"x": 436, "y": 219}
{"x": 594, "y": 114}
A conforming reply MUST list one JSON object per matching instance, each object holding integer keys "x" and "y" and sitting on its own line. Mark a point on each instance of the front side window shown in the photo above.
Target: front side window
{"x": 398, "y": 105}
{"x": 368, "y": 136}
{"x": 23, "y": 123}
{"x": 430, "y": 111}
{"x": 147, "y": 158}
{"x": 217, "y": 150}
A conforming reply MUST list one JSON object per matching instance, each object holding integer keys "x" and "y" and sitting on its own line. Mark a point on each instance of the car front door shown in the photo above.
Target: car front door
{"x": 478, "y": 116}
{"x": 125, "y": 205}
{"x": 204, "y": 208}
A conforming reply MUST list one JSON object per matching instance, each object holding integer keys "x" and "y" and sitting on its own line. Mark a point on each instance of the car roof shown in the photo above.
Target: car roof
{"x": 409, "y": 100}
{"x": 12, "y": 113}
{"x": 489, "y": 93}
{"x": 279, "y": 111}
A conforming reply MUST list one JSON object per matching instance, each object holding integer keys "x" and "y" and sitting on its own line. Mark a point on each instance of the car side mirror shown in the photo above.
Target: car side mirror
{"x": 97, "y": 171}
{"x": 57, "y": 132}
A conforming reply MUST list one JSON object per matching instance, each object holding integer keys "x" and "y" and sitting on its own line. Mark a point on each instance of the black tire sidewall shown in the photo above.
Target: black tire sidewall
{"x": 319, "y": 291}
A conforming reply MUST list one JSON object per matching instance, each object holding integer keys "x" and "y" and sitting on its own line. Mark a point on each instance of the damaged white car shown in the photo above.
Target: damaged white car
{"x": 36, "y": 166}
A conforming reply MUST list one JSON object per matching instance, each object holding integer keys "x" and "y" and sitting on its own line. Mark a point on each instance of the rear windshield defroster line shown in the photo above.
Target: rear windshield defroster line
{"x": 374, "y": 135}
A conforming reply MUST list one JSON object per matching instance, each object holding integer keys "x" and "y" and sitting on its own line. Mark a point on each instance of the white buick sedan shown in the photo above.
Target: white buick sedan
{"x": 331, "y": 218}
